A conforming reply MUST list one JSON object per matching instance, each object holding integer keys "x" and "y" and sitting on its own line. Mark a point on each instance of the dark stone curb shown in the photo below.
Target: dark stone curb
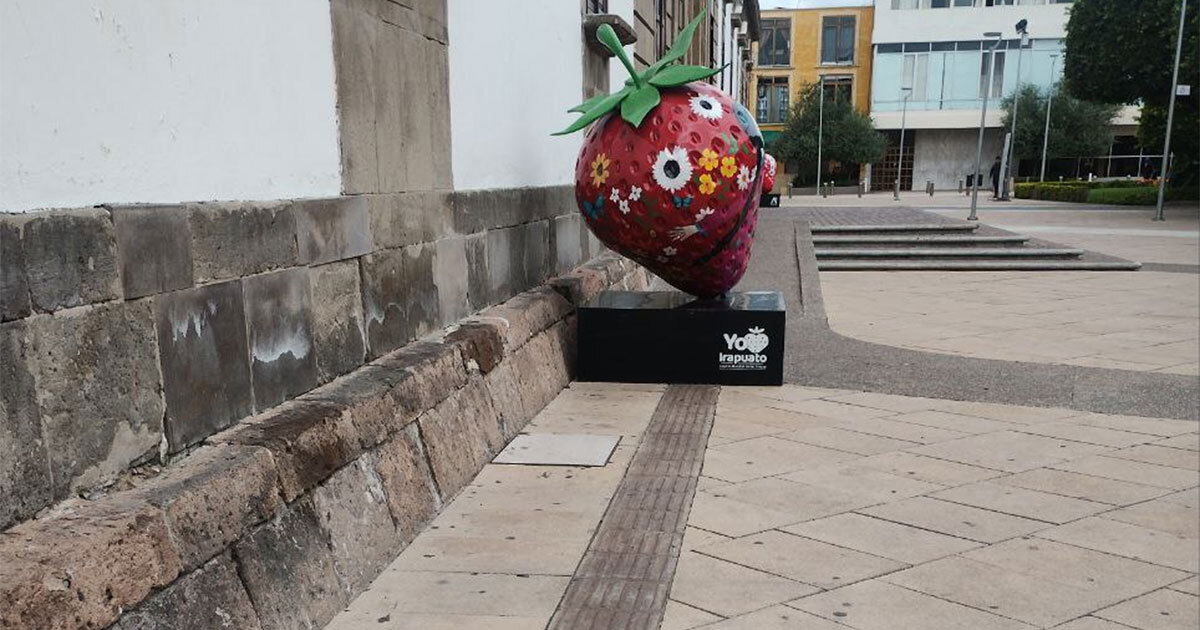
{"x": 282, "y": 519}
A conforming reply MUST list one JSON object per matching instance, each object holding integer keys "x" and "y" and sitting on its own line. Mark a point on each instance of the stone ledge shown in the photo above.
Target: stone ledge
{"x": 285, "y": 517}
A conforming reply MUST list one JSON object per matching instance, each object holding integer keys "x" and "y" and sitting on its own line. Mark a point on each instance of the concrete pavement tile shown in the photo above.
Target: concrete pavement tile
{"x": 789, "y": 393}
{"x": 954, "y": 422}
{"x": 1084, "y": 433}
{"x": 882, "y": 538}
{"x": 726, "y": 431}
{"x": 1190, "y": 497}
{"x": 781, "y": 419}
{"x": 928, "y": 469}
{"x": 694, "y": 538}
{"x": 349, "y": 620}
{"x": 802, "y": 559}
{"x": 1160, "y": 610}
{"x": 1002, "y": 592}
{"x": 708, "y": 483}
{"x": 1165, "y": 516}
{"x": 848, "y": 441}
{"x": 797, "y": 501}
{"x": 1008, "y": 413}
{"x": 1190, "y": 586}
{"x": 1161, "y": 456}
{"x": 1009, "y": 451}
{"x": 1131, "y": 471}
{"x": 1136, "y": 424}
{"x": 867, "y": 484}
{"x": 522, "y": 524}
{"x": 1187, "y": 442}
{"x": 679, "y": 616}
{"x": 542, "y": 556}
{"x": 1103, "y": 575}
{"x": 1032, "y": 504}
{"x": 1091, "y": 623}
{"x": 776, "y": 618}
{"x": 878, "y": 605}
{"x": 889, "y": 402}
{"x": 954, "y": 519}
{"x": 728, "y": 589}
{"x": 439, "y": 593}
{"x": 839, "y": 411}
{"x": 764, "y": 457}
{"x": 911, "y": 432}
{"x": 1129, "y": 541}
{"x": 734, "y": 518}
{"x": 1082, "y": 486}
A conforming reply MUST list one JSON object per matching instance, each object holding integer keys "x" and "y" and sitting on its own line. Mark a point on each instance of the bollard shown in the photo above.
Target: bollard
{"x": 832, "y": 190}
{"x": 960, "y": 184}
{"x": 896, "y": 190}
{"x": 861, "y": 186}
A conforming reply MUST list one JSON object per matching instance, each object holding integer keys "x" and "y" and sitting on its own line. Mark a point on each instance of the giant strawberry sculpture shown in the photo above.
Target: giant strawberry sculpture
{"x": 769, "y": 166}
{"x": 673, "y": 179}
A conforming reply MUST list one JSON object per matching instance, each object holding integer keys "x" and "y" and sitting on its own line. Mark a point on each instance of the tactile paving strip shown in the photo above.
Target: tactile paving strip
{"x": 625, "y": 577}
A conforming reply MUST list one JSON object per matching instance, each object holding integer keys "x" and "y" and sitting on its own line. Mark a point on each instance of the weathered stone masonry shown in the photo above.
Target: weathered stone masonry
{"x": 280, "y": 520}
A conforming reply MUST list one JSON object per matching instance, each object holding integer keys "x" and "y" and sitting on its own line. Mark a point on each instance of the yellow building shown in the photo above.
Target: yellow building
{"x": 820, "y": 39}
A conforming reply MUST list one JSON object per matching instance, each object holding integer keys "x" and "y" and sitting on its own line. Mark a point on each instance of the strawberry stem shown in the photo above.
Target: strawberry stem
{"x": 608, "y": 37}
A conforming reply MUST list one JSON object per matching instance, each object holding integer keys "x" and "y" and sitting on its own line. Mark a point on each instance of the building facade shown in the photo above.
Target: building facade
{"x": 810, "y": 41}
{"x": 931, "y": 69}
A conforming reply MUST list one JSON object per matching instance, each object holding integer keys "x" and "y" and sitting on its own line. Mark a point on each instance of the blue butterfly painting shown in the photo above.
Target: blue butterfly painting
{"x": 592, "y": 209}
{"x": 682, "y": 202}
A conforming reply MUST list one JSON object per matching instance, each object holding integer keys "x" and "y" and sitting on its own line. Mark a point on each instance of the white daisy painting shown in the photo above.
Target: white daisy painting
{"x": 707, "y": 107}
{"x": 672, "y": 171}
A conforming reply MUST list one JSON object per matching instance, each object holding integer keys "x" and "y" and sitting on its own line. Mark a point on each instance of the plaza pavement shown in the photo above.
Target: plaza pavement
{"x": 828, "y": 509}
{"x": 825, "y": 509}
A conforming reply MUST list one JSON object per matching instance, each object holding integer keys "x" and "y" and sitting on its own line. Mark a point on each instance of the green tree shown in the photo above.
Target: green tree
{"x": 849, "y": 136}
{"x": 1077, "y": 128}
{"x": 1123, "y": 51}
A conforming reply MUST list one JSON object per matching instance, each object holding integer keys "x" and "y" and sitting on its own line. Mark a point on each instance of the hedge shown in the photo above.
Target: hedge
{"x": 1143, "y": 196}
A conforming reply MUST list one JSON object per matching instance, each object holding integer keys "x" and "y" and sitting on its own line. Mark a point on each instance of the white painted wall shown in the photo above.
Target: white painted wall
{"x": 165, "y": 101}
{"x": 1046, "y": 21}
{"x": 515, "y": 68}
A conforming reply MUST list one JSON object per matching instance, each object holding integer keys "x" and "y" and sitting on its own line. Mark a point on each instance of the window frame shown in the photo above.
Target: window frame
{"x": 767, "y": 99}
{"x": 769, "y": 55}
{"x": 839, "y": 30}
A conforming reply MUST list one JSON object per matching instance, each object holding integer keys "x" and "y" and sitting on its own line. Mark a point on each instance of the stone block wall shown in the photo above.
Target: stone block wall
{"x": 279, "y": 521}
{"x": 129, "y": 335}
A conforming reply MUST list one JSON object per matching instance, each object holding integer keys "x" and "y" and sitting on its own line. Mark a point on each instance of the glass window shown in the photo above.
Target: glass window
{"x": 905, "y": 4}
{"x": 774, "y": 45}
{"x": 939, "y": 4}
{"x": 916, "y": 75}
{"x": 917, "y": 47}
{"x": 964, "y": 3}
{"x": 941, "y": 46}
{"x": 837, "y": 39}
{"x": 771, "y": 104}
{"x": 838, "y": 89}
{"x": 997, "y": 87}
{"x": 890, "y": 48}
{"x": 975, "y": 45}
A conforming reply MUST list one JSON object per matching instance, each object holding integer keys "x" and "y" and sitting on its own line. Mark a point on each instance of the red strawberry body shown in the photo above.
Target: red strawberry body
{"x": 679, "y": 193}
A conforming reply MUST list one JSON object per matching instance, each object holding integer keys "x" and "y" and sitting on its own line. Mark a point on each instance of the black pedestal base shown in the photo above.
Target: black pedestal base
{"x": 671, "y": 337}
{"x": 769, "y": 200}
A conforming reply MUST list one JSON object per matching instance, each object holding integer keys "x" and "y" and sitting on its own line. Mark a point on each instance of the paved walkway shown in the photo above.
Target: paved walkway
{"x": 832, "y": 509}
{"x": 1147, "y": 321}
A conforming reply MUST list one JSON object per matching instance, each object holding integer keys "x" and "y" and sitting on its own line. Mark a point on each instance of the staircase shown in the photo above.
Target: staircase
{"x": 947, "y": 246}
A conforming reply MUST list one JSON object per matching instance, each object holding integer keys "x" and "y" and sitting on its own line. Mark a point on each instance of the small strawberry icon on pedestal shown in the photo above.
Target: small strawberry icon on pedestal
{"x": 670, "y": 163}
{"x": 757, "y": 340}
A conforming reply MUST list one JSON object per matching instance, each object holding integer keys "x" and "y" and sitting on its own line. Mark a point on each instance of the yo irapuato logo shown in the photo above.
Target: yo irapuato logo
{"x": 744, "y": 351}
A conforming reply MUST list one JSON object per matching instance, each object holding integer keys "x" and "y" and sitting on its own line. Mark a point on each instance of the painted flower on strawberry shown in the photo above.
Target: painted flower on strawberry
{"x": 680, "y": 163}
{"x": 769, "y": 172}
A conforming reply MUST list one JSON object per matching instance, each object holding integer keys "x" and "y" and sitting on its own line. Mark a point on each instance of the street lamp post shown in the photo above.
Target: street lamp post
{"x": 903, "y": 120}
{"x": 820, "y": 130}
{"x": 1165, "y": 169}
{"x": 1012, "y": 148}
{"x": 1049, "y": 101}
{"x": 987, "y": 89}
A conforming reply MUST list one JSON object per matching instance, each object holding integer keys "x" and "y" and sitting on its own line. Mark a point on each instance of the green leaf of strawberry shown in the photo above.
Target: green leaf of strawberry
{"x": 640, "y": 95}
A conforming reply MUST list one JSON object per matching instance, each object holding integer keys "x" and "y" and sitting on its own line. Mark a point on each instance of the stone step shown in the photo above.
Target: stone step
{"x": 949, "y": 252}
{"x": 974, "y": 265}
{"x": 897, "y": 227}
{"x": 920, "y": 240}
